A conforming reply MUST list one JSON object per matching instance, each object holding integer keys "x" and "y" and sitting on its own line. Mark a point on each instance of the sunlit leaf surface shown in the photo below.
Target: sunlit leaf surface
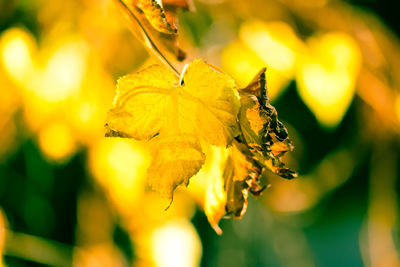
{"x": 176, "y": 116}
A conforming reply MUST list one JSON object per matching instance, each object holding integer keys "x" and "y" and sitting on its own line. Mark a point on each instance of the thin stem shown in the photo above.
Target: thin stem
{"x": 150, "y": 43}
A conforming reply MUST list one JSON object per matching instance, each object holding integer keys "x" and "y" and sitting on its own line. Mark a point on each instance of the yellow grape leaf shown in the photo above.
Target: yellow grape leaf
{"x": 175, "y": 159}
{"x": 141, "y": 104}
{"x": 217, "y": 101}
{"x": 177, "y": 116}
{"x": 155, "y": 14}
{"x": 215, "y": 195}
{"x": 206, "y": 105}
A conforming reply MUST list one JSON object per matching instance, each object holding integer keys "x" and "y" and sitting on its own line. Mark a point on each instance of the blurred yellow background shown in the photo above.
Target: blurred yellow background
{"x": 71, "y": 197}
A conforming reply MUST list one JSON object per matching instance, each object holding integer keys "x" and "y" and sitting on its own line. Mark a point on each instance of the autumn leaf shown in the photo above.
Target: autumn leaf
{"x": 241, "y": 175}
{"x": 262, "y": 141}
{"x": 180, "y": 118}
{"x": 266, "y": 137}
{"x": 175, "y": 159}
{"x": 177, "y": 116}
{"x": 156, "y": 24}
{"x": 226, "y": 196}
{"x": 155, "y": 14}
{"x": 141, "y": 103}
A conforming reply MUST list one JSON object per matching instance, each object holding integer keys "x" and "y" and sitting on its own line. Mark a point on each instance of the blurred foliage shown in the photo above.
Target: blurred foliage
{"x": 70, "y": 197}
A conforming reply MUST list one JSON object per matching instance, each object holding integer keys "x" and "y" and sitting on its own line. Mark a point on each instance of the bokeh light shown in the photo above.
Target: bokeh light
{"x": 56, "y": 141}
{"x": 274, "y": 42}
{"x": 63, "y": 72}
{"x": 120, "y": 166}
{"x": 327, "y": 78}
{"x": 17, "y": 48}
{"x": 176, "y": 244}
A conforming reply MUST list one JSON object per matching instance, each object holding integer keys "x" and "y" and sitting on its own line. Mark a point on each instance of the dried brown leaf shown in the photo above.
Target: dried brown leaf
{"x": 265, "y": 136}
{"x": 262, "y": 142}
{"x": 155, "y": 14}
{"x": 241, "y": 175}
{"x": 159, "y": 24}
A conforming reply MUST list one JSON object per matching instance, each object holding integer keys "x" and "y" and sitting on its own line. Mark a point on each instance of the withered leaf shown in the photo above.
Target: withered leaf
{"x": 157, "y": 24}
{"x": 155, "y": 14}
{"x": 233, "y": 175}
{"x": 265, "y": 136}
{"x": 241, "y": 175}
{"x": 262, "y": 141}
{"x": 258, "y": 87}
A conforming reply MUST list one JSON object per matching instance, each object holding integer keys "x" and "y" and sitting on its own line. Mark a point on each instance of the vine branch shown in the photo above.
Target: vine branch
{"x": 147, "y": 38}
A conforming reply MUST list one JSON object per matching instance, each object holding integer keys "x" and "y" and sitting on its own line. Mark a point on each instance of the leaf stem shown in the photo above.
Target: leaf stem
{"x": 149, "y": 42}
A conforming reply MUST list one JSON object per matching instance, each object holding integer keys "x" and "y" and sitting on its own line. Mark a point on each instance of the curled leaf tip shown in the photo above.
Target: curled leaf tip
{"x": 258, "y": 87}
